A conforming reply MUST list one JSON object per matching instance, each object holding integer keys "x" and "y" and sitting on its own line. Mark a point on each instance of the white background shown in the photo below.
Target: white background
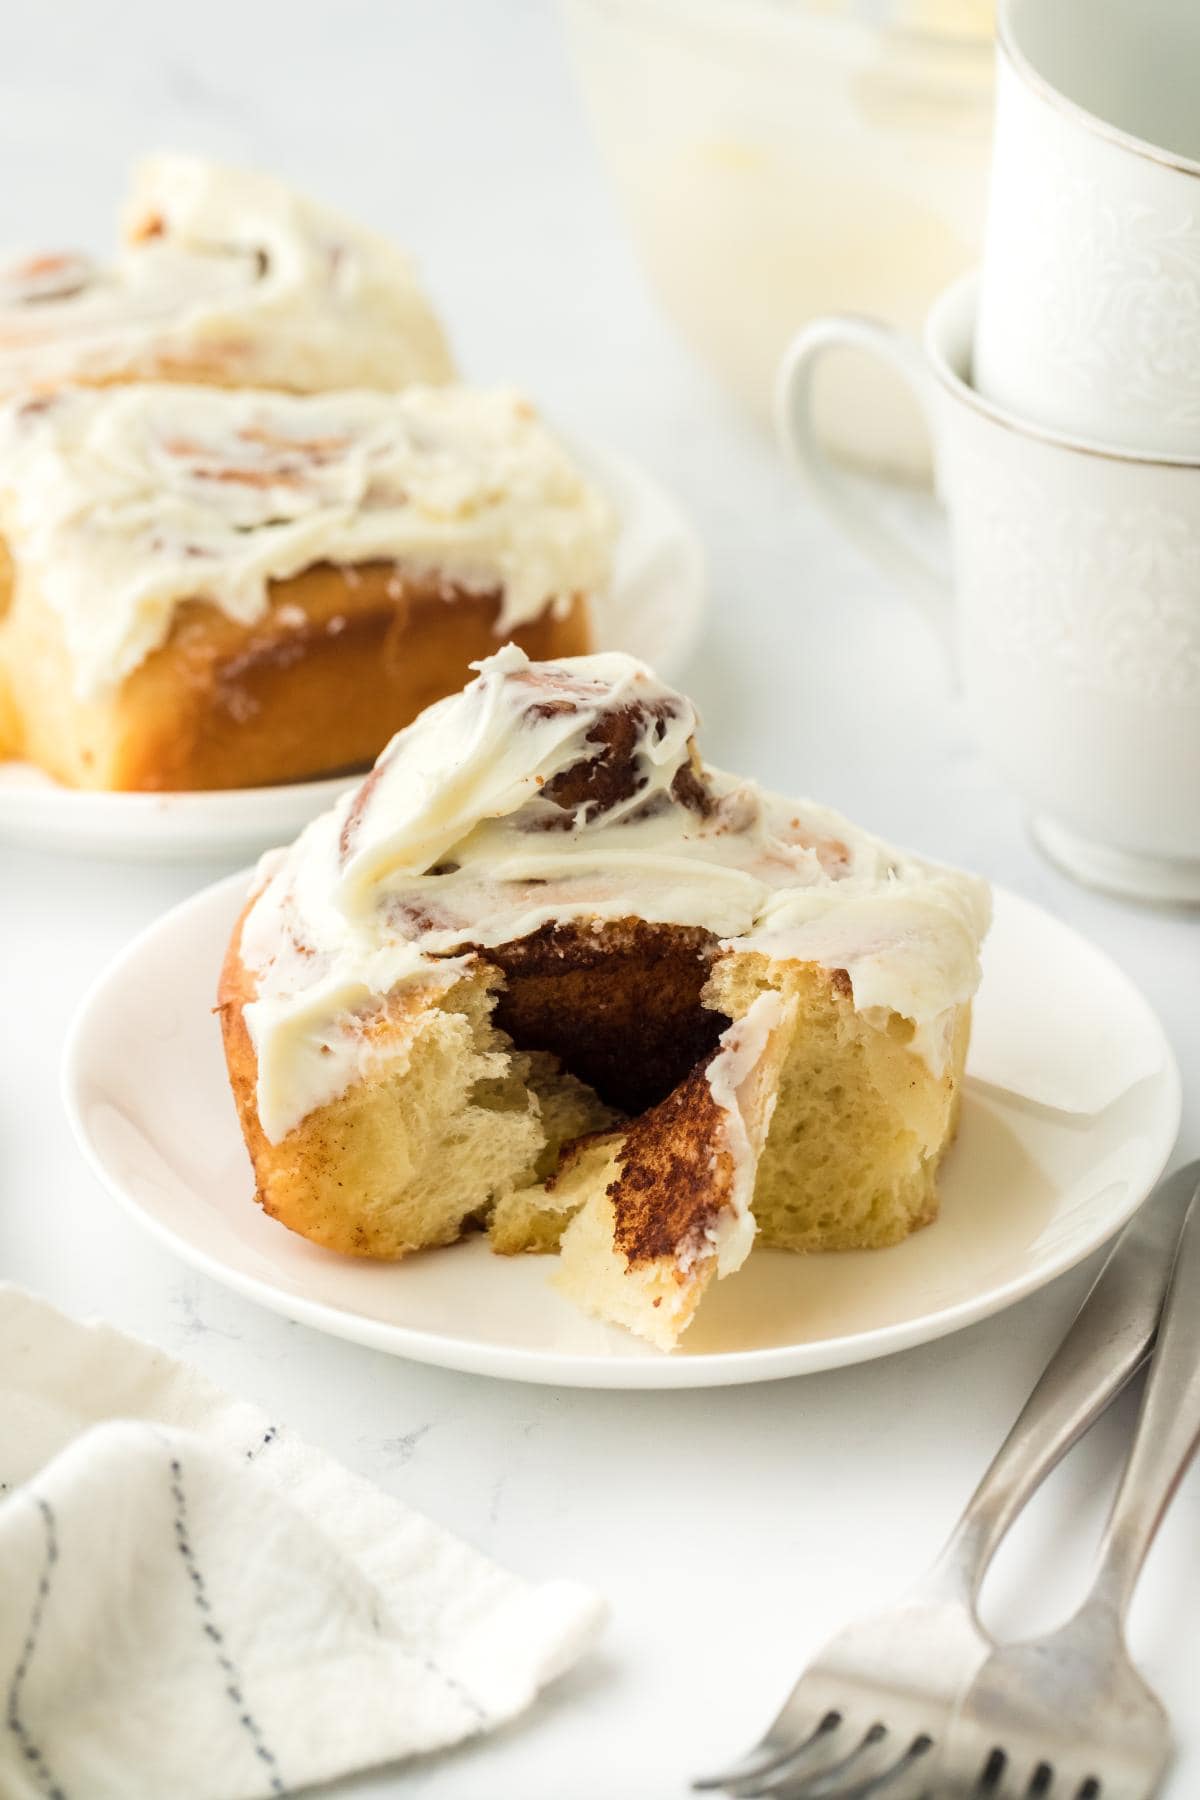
{"x": 730, "y": 1530}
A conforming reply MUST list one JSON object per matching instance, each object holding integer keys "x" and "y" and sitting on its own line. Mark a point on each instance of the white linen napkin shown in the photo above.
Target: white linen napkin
{"x": 194, "y": 1604}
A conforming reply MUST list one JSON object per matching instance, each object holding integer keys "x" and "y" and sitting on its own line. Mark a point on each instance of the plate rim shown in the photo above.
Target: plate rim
{"x": 644, "y": 1371}
{"x": 172, "y": 823}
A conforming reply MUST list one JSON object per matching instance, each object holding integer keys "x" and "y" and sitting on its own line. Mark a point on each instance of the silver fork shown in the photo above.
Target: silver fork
{"x": 869, "y": 1715}
{"x": 1067, "y": 1716}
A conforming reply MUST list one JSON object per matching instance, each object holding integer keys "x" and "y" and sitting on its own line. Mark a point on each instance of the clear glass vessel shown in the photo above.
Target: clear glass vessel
{"x": 783, "y": 158}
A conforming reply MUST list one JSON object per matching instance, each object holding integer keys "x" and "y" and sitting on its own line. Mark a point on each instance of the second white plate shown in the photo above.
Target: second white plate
{"x": 653, "y": 609}
{"x": 1071, "y": 1110}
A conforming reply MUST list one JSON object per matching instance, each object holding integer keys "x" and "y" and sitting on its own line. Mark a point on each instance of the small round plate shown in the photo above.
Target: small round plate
{"x": 653, "y": 609}
{"x": 1070, "y": 1112}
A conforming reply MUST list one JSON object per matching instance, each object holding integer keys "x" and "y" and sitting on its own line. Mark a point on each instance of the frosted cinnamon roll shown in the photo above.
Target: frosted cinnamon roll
{"x": 227, "y": 277}
{"x": 210, "y": 589}
{"x": 547, "y": 973}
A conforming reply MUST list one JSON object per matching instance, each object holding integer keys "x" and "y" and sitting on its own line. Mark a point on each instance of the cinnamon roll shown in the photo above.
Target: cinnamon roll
{"x": 224, "y": 276}
{"x": 550, "y": 975}
{"x": 211, "y": 589}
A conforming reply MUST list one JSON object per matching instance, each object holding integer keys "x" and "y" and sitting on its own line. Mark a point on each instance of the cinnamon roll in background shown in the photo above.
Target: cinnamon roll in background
{"x": 208, "y": 589}
{"x": 224, "y": 276}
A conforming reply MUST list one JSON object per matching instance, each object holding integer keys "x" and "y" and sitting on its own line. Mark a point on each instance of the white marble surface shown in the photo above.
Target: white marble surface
{"x": 732, "y": 1530}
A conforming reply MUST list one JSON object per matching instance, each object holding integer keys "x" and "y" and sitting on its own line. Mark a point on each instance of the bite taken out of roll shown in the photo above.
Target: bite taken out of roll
{"x": 548, "y": 974}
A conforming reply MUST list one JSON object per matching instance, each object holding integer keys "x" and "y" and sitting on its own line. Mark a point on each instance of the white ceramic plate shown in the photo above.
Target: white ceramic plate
{"x": 1071, "y": 1109}
{"x": 653, "y": 609}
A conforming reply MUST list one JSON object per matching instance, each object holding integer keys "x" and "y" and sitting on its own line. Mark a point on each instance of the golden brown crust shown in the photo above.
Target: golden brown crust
{"x": 342, "y": 660}
{"x": 411, "y": 1155}
{"x": 299, "y": 1180}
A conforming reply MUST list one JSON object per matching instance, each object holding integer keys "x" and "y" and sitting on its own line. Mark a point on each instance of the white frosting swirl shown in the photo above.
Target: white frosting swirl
{"x": 225, "y": 276}
{"x": 119, "y": 503}
{"x": 550, "y": 792}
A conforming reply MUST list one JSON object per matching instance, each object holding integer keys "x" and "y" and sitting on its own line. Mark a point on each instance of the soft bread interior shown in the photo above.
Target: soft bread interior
{"x": 559, "y": 1095}
{"x": 413, "y": 1153}
{"x": 860, "y": 1121}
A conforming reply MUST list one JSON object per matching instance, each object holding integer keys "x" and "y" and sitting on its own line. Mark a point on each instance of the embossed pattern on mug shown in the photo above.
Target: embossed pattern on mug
{"x": 1125, "y": 315}
{"x": 1112, "y": 595}
{"x": 1089, "y": 303}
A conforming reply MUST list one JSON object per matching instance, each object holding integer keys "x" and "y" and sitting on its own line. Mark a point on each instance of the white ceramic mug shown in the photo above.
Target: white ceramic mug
{"x": 1089, "y": 300}
{"x": 1077, "y": 623}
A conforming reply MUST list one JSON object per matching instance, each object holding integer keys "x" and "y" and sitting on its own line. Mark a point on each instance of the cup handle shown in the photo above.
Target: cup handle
{"x": 852, "y": 504}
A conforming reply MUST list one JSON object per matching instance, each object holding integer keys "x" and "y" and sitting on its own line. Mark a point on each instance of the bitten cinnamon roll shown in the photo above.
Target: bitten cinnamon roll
{"x": 550, "y": 975}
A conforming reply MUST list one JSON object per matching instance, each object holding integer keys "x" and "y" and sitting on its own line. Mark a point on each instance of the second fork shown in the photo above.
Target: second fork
{"x": 869, "y": 1715}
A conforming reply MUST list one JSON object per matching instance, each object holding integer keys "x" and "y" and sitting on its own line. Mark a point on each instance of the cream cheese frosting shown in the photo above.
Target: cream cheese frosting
{"x": 549, "y": 792}
{"x": 227, "y": 276}
{"x": 119, "y": 503}
{"x": 740, "y": 1081}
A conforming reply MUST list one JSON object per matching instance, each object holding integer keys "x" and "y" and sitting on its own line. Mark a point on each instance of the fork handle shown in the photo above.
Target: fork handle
{"x": 1168, "y": 1430}
{"x": 1108, "y": 1340}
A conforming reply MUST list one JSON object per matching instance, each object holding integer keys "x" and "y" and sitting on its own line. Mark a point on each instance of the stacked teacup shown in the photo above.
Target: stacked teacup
{"x": 1062, "y": 387}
